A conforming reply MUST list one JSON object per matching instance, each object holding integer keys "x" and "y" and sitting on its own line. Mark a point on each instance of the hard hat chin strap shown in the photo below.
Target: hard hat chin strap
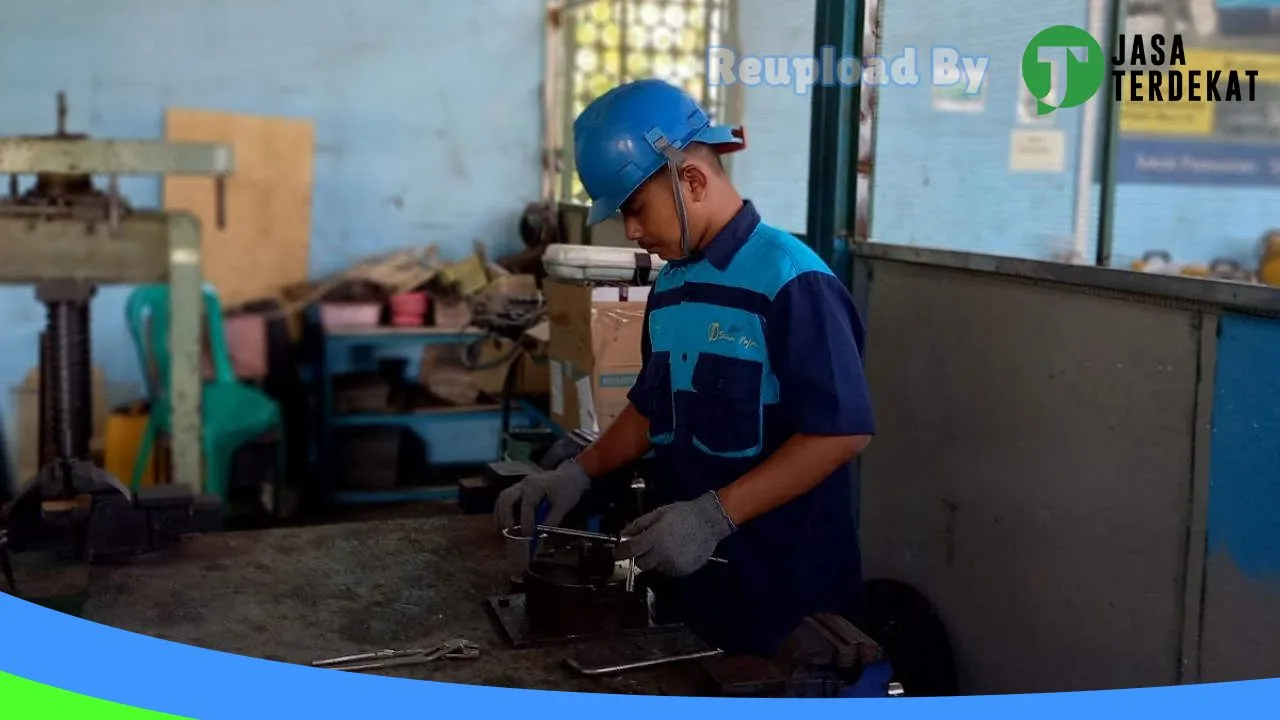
{"x": 674, "y": 160}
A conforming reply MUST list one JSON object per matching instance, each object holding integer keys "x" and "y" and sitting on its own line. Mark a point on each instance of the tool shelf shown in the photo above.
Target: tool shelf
{"x": 455, "y": 438}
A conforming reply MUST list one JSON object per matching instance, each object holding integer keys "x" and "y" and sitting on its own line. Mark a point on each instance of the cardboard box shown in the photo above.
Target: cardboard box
{"x": 593, "y": 352}
{"x": 530, "y": 374}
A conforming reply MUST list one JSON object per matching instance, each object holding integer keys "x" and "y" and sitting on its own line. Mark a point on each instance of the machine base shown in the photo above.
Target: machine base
{"x": 511, "y": 616}
{"x": 104, "y": 522}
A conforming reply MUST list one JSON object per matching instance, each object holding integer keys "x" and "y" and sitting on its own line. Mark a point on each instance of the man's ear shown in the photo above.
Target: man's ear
{"x": 696, "y": 176}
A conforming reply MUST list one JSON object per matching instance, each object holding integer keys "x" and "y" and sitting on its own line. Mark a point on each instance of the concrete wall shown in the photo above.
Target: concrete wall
{"x": 426, "y": 117}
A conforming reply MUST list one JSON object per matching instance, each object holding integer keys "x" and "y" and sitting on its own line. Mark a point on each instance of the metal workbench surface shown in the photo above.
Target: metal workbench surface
{"x": 302, "y": 594}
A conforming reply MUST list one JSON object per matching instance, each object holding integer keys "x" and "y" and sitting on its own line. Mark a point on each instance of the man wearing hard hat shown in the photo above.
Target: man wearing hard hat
{"x": 751, "y": 397}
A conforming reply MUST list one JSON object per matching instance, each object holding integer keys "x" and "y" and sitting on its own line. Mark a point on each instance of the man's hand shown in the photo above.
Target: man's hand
{"x": 562, "y": 488}
{"x": 676, "y": 539}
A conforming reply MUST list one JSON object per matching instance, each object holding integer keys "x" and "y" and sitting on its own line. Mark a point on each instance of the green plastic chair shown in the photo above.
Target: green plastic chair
{"x": 233, "y": 413}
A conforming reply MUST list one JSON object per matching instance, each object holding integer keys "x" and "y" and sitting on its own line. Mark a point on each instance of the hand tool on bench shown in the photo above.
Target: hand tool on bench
{"x": 583, "y": 668}
{"x": 379, "y": 659}
{"x": 632, "y": 570}
{"x": 587, "y": 535}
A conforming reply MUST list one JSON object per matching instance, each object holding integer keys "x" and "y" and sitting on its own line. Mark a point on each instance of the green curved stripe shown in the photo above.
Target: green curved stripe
{"x": 21, "y": 699}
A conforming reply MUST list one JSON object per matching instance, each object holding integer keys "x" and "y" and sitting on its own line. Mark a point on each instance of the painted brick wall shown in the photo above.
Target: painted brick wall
{"x": 426, "y": 113}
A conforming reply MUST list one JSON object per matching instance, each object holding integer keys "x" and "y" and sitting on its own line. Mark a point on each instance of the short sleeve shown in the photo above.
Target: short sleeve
{"x": 639, "y": 395}
{"x": 815, "y": 338}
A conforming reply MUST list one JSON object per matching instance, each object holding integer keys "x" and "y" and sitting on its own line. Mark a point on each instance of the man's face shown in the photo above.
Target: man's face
{"x": 650, "y": 217}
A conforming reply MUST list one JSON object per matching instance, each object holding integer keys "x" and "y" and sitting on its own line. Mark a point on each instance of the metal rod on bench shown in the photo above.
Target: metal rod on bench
{"x": 587, "y": 535}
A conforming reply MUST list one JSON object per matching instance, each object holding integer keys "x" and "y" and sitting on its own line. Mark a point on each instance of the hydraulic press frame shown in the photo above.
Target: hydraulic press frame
{"x": 138, "y": 247}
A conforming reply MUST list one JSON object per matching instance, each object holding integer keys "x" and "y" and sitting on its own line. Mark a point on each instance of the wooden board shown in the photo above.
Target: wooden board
{"x": 266, "y": 242}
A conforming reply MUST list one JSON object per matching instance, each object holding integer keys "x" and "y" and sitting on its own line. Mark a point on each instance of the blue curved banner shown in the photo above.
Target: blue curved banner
{"x": 82, "y": 657}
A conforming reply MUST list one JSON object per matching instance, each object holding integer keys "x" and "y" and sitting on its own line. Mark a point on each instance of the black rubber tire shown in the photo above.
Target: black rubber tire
{"x": 907, "y": 627}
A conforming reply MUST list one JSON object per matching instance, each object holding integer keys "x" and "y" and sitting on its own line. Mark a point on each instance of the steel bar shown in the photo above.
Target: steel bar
{"x": 587, "y": 535}
{"x": 115, "y": 157}
{"x": 625, "y": 667}
{"x": 584, "y": 534}
{"x": 186, "y": 311}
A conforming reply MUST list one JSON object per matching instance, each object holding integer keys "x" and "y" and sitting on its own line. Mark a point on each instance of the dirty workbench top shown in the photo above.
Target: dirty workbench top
{"x": 301, "y": 594}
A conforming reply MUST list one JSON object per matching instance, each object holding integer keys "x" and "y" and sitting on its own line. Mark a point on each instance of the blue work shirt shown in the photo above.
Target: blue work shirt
{"x": 746, "y": 343}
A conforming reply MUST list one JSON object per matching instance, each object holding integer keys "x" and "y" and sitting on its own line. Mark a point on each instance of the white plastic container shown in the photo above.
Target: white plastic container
{"x": 601, "y": 264}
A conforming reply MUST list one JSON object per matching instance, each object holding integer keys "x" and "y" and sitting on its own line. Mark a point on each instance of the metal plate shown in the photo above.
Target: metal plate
{"x": 509, "y": 612}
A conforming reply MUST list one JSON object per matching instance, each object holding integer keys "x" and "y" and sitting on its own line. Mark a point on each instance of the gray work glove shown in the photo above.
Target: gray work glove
{"x": 562, "y": 488}
{"x": 676, "y": 539}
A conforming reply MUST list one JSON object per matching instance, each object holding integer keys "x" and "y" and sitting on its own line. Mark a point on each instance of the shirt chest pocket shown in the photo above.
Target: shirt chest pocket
{"x": 725, "y": 412}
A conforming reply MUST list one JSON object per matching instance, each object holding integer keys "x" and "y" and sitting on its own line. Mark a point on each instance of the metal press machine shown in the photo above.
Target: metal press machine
{"x": 66, "y": 237}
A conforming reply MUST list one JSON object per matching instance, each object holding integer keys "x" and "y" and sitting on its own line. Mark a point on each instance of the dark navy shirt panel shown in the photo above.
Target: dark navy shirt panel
{"x": 815, "y": 345}
{"x": 718, "y": 252}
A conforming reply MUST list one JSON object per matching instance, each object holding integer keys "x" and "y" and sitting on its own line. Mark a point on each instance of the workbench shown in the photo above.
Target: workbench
{"x": 302, "y": 594}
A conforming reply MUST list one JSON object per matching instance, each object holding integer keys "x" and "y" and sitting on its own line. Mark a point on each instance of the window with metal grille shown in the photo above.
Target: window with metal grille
{"x": 610, "y": 42}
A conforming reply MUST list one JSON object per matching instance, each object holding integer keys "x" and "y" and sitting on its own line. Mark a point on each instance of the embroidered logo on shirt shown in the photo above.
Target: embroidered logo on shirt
{"x": 715, "y": 334}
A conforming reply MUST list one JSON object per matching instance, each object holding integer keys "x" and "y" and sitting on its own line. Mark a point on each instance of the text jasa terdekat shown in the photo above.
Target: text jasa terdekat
{"x": 1152, "y": 68}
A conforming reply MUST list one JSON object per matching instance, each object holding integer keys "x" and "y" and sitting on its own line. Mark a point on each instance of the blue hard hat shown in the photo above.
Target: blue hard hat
{"x": 618, "y": 139}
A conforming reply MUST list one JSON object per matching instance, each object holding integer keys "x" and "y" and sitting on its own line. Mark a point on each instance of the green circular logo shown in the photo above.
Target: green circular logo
{"x": 1084, "y": 66}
